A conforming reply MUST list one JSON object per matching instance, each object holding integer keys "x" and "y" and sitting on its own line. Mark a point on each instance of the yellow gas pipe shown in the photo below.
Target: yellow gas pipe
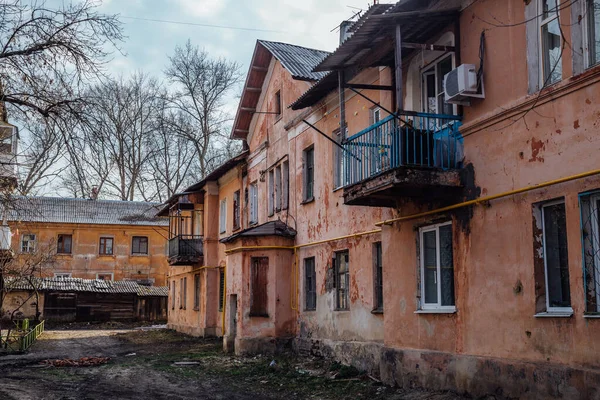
{"x": 489, "y": 198}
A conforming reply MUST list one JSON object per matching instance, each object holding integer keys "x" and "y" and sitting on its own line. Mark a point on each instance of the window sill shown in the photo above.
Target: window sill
{"x": 338, "y": 188}
{"x": 437, "y": 311}
{"x": 309, "y": 200}
{"x": 310, "y": 310}
{"x": 591, "y": 315}
{"x": 554, "y": 314}
{"x": 140, "y": 255}
{"x": 106, "y": 256}
{"x": 196, "y": 309}
{"x": 377, "y": 311}
{"x": 341, "y": 310}
{"x": 235, "y": 229}
{"x": 67, "y": 255}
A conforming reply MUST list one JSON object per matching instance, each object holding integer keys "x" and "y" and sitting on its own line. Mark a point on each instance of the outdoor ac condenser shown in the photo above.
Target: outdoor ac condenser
{"x": 460, "y": 84}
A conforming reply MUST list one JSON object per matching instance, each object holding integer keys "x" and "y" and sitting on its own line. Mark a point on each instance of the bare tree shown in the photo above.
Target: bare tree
{"x": 47, "y": 54}
{"x": 172, "y": 155}
{"x": 202, "y": 86}
{"x": 41, "y": 159}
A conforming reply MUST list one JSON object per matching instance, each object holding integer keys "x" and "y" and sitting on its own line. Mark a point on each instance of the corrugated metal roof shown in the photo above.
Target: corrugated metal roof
{"x": 84, "y": 285}
{"x": 297, "y": 60}
{"x": 373, "y": 40}
{"x": 82, "y": 211}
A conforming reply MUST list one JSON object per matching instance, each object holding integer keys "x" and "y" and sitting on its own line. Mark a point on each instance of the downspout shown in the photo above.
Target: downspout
{"x": 224, "y": 300}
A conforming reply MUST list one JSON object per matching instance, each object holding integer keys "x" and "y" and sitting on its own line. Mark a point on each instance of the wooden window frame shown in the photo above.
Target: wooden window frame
{"x": 30, "y": 248}
{"x": 271, "y": 188}
{"x": 545, "y": 22}
{"x": 285, "y": 183}
{"x": 60, "y": 244}
{"x": 550, "y": 309}
{"x": 377, "y": 278}
{"x": 223, "y": 216}
{"x": 308, "y": 174}
{"x": 253, "y": 204}
{"x": 99, "y": 274}
{"x": 236, "y": 210}
{"x": 277, "y": 105}
{"x": 346, "y": 275}
{"x": 197, "y": 288}
{"x": 221, "y": 288}
{"x": 102, "y": 246}
{"x": 139, "y": 238}
{"x": 310, "y": 284}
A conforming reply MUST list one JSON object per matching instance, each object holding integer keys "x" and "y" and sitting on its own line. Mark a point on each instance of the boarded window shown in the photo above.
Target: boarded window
{"x": 236, "y": 210}
{"x": 106, "y": 246}
{"x": 378, "y": 276}
{"x": 64, "y": 244}
{"x": 556, "y": 258}
{"x": 310, "y": 285}
{"x": 182, "y": 293}
{"x": 197, "y": 292}
{"x": 139, "y": 245}
{"x": 221, "y": 288}
{"x": 342, "y": 279}
{"x": 309, "y": 173}
{"x": 258, "y": 280}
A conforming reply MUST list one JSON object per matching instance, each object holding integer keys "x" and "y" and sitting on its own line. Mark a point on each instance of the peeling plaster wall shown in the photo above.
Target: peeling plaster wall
{"x": 494, "y": 341}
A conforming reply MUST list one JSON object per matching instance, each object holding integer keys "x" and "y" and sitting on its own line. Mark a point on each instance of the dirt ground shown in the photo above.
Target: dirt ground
{"x": 143, "y": 365}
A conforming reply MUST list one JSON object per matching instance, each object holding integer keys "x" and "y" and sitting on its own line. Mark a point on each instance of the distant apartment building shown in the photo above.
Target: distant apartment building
{"x": 422, "y": 202}
{"x": 91, "y": 239}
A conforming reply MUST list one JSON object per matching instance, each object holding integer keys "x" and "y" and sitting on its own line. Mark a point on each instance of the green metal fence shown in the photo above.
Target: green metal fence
{"x": 23, "y": 339}
{"x": 31, "y": 336}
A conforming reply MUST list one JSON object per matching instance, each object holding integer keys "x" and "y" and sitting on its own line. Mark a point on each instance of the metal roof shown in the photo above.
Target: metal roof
{"x": 84, "y": 285}
{"x": 298, "y": 61}
{"x": 271, "y": 228}
{"x": 83, "y": 211}
{"x": 373, "y": 40}
{"x": 197, "y": 187}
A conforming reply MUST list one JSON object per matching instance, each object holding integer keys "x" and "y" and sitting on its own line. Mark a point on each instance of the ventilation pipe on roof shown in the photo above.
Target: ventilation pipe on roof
{"x": 344, "y": 34}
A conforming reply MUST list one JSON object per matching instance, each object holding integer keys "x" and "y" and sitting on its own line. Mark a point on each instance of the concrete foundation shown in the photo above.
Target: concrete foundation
{"x": 482, "y": 376}
{"x": 195, "y": 330}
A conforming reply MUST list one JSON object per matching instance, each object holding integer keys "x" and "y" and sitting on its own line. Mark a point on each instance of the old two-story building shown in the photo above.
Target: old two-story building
{"x": 197, "y": 218}
{"x": 90, "y": 239}
{"x": 423, "y": 201}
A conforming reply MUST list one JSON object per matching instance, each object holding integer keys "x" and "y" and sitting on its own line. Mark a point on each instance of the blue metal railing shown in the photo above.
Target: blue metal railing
{"x": 413, "y": 139}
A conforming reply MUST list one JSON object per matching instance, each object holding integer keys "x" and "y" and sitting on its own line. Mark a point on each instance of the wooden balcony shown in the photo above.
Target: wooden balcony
{"x": 185, "y": 250}
{"x": 415, "y": 156}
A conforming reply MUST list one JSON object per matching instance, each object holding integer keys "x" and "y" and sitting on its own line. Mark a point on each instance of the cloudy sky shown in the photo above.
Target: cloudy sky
{"x": 148, "y": 44}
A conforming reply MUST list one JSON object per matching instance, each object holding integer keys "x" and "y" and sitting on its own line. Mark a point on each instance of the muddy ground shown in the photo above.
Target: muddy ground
{"x": 142, "y": 366}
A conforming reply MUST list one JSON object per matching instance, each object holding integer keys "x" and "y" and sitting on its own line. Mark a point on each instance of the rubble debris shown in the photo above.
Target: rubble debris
{"x": 82, "y": 362}
{"x": 185, "y": 363}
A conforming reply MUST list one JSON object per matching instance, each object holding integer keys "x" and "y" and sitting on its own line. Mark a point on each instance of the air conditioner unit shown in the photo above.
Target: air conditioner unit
{"x": 460, "y": 84}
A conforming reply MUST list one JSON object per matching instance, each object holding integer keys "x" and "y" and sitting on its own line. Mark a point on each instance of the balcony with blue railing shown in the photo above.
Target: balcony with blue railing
{"x": 405, "y": 155}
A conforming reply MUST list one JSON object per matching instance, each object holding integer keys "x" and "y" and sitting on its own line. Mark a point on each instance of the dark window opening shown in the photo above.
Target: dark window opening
{"x": 139, "y": 245}
{"x": 64, "y": 244}
{"x": 310, "y": 284}
{"x": 378, "y": 265}
{"x": 221, "y": 288}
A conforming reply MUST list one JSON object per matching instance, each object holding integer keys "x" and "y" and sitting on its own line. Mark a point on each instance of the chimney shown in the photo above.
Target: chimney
{"x": 94, "y": 194}
{"x": 344, "y": 34}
